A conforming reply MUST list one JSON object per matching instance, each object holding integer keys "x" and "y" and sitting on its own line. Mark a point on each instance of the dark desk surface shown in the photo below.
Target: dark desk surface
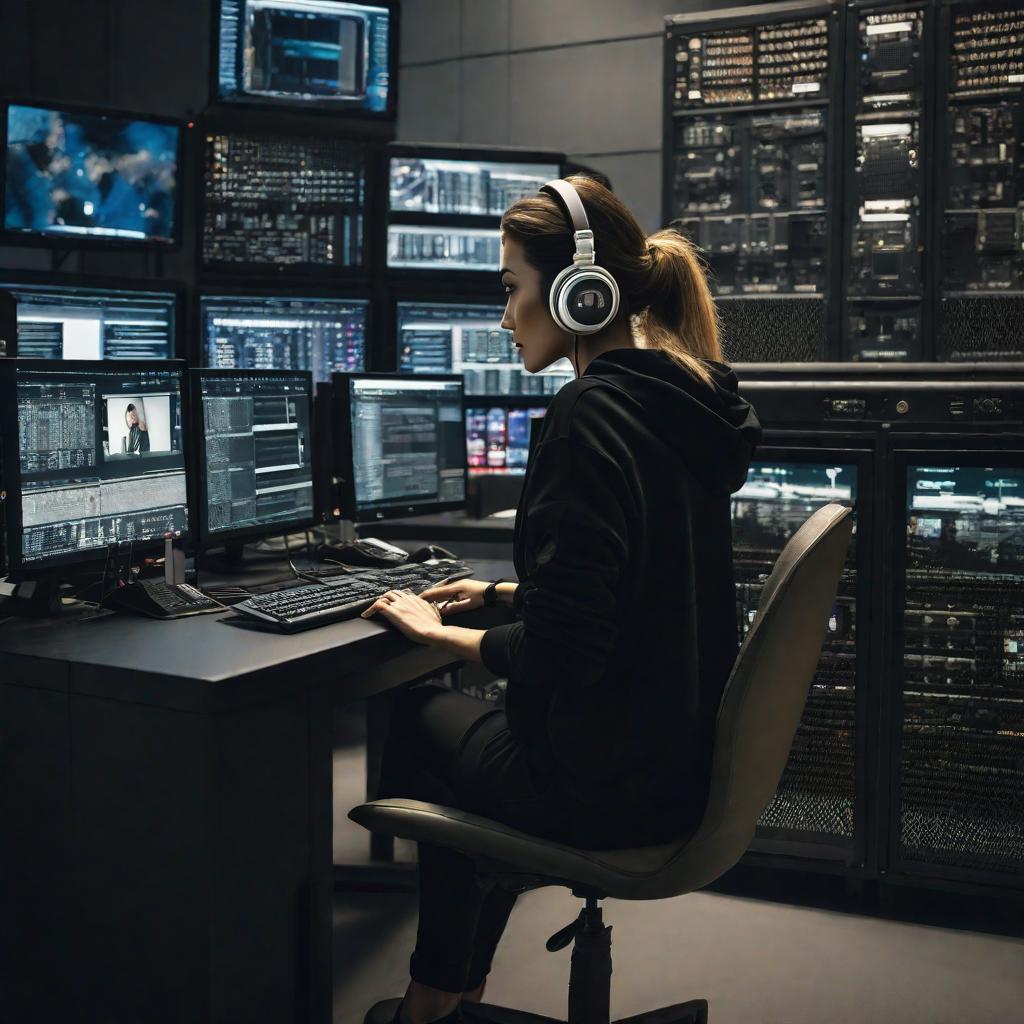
{"x": 451, "y": 526}
{"x": 205, "y": 663}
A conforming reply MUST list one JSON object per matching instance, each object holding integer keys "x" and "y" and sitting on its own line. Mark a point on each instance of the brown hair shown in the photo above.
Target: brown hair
{"x": 662, "y": 281}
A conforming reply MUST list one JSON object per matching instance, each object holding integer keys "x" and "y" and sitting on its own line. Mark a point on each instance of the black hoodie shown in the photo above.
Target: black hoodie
{"x": 627, "y": 625}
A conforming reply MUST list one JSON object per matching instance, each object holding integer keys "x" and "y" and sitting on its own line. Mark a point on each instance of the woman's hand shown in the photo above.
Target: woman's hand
{"x": 417, "y": 619}
{"x": 461, "y": 596}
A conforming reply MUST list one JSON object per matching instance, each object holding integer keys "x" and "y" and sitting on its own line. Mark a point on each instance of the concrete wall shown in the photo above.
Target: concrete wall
{"x": 580, "y": 76}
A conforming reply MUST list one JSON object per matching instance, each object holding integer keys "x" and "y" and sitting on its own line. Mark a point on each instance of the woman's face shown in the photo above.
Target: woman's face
{"x": 538, "y": 338}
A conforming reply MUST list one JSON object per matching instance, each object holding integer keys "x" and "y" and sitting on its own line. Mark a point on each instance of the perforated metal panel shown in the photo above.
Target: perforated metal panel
{"x": 983, "y": 327}
{"x": 816, "y": 795}
{"x": 961, "y": 759}
{"x": 771, "y": 330}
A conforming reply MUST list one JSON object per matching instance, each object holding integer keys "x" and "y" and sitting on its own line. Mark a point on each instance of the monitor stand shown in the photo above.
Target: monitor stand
{"x": 341, "y": 532}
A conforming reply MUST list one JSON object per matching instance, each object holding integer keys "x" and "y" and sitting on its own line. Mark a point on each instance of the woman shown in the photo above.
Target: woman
{"x": 626, "y": 628}
{"x": 137, "y": 440}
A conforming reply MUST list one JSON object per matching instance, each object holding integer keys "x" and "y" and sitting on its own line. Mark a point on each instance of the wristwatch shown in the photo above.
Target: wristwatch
{"x": 491, "y": 593}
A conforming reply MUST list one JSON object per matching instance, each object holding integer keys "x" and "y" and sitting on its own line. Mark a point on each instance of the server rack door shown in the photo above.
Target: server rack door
{"x": 818, "y": 810}
{"x": 956, "y": 693}
{"x": 979, "y": 258}
{"x": 752, "y": 103}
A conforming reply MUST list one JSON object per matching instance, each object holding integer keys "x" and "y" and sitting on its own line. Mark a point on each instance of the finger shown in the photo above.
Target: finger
{"x": 437, "y": 593}
{"x": 378, "y": 606}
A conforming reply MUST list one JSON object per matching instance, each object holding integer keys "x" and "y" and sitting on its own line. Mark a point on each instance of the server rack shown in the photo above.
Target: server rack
{"x": 887, "y": 216}
{"x": 956, "y": 664}
{"x": 979, "y": 261}
{"x": 818, "y": 810}
{"x": 753, "y": 100}
{"x": 939, "y": 626}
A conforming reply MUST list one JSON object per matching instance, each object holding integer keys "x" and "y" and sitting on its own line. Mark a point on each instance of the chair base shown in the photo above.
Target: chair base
{"x": 693, "y": 1012}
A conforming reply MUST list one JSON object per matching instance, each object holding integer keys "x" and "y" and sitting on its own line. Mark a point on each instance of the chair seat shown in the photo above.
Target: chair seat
{"x": 639, "y": 873}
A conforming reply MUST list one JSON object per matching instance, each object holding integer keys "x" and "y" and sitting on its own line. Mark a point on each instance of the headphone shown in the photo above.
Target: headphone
{"x": 584, "y": 297}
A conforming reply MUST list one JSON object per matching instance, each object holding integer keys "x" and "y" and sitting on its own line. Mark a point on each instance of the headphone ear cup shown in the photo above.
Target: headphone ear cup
{"x": 583, "y": 299}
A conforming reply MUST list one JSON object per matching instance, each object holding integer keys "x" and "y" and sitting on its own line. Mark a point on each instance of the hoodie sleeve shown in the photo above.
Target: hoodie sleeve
{"x": 576, "y": 547}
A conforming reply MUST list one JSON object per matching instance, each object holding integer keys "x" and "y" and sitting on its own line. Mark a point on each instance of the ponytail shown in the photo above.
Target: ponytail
{"x": 676, "y": 312}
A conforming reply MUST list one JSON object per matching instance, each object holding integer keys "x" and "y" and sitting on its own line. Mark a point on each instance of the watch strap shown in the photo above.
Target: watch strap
{"x": 491, "y": 593}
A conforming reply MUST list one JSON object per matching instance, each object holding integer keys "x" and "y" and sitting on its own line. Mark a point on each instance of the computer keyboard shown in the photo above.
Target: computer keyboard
{"x": 343, "y": 597}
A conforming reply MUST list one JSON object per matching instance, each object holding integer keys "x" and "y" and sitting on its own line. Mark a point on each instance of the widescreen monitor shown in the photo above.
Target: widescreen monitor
{"x": 74, "y": 176}
{"x": 94, "y": 455}
{"x": 314, "y": 54}
{"x": 283, "y": 204}
{"x": 400, "y": 444}
{"x": 284, "y": 332}
{"x": 468, "y": 339}
{"x": 254, "y": 439}
{"x": 443, "y": 211}
{"x": 71, "y": 322}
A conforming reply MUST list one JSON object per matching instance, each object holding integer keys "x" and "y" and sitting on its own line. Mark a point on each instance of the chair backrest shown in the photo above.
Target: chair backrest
{"x": 765, "y": 695}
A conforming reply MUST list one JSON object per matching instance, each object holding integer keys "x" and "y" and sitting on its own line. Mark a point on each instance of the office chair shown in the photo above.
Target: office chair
{"x": 757, "y": 719}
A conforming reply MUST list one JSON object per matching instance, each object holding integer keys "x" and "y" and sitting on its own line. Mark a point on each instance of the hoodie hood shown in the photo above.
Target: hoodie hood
{"x": 712, "y": 430}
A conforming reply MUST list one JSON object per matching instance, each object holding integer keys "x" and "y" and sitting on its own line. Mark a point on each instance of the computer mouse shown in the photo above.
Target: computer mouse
{"x": 430, "y": 551}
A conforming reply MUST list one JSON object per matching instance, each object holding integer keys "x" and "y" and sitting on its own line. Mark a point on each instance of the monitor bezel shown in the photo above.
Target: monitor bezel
{"x": 198, "y": 357}
{"x": 446, "y": 151}
{"x": 26, "y": 279}
{"x": 283, "y": 274}
{"x": 12, "y": 519}
{"x": 205, "y": 539}
{"x": 75, "y": 242}
{"x": 325, "y": 108}
{"x": 344, "y": 469}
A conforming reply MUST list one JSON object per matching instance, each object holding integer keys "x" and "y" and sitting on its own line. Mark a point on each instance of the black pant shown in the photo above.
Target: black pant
{"x": 445, "y": 747}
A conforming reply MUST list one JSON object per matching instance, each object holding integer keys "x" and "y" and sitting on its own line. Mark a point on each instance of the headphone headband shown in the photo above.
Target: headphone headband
{"x": 570, "y": 202}
{"x": 572, "y": 206}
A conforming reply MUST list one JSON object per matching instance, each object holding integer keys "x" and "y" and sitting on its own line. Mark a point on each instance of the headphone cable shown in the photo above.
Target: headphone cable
{"x": 576, "y": 355}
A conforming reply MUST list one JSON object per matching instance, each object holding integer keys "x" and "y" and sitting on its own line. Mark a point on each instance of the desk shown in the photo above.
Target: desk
{"x": 165, "y": 798}
{"x": 445, "y": 527}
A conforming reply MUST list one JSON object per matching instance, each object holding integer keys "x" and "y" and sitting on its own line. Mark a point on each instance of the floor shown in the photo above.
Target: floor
{"x": 755, "y": 961}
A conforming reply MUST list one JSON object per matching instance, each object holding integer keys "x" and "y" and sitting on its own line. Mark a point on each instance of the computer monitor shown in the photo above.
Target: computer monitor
{"x": 253, "y": 431}
{"x": 76, "y": 176}
{"x": 467, "y": 338}
{"x": 444, "y": 205}
{"x": 94, "y": 455}
{"x": 322, "y": 334}
{"x": 312, "y": 54}
{"x": 400, "y": 444}
{"x": 498, "y": 438}
{"x": 283, "y": 204}
{"x": 57, "y": 321}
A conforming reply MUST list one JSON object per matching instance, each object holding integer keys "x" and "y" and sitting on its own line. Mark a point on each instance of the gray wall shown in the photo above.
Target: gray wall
{"x": 580, "y": 76}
